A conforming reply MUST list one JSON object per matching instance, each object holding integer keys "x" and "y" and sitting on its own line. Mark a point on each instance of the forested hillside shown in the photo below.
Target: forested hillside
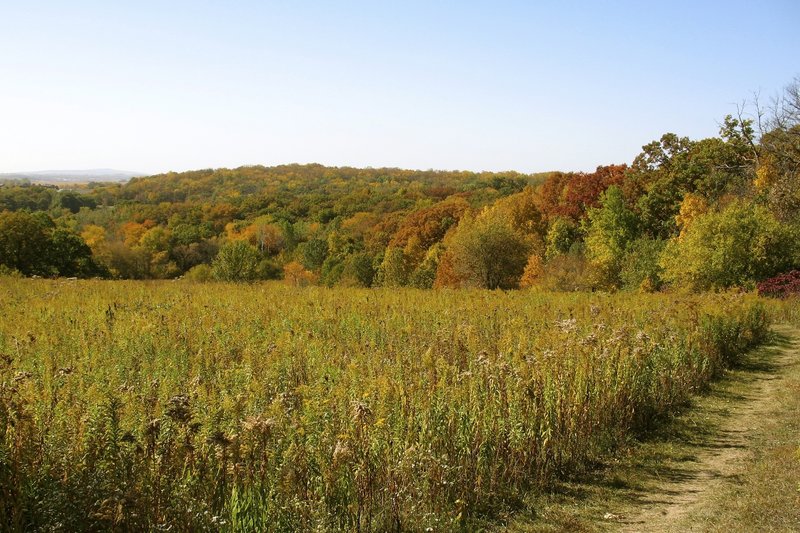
{"x": 702, "y": 214}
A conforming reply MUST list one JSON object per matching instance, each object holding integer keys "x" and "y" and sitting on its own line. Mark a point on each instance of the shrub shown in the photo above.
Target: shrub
{"x": 781, "y": 286}
{"x": 640, "y": 269}
{"x": 199, "y": 273}
{"x": 358, "y": 270}
{"x": 236, "y": 261}
{"x": 296, "y": 275}
{"x": 566, "y": 273}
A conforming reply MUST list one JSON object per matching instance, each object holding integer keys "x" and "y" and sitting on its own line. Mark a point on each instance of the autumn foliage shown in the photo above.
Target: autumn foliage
{"x": 781, "y": 286}
{"x": 655, "y": 224}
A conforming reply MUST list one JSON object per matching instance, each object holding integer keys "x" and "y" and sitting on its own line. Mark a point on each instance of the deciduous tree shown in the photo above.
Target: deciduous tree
{"x": 236, "y": 261}
{"x": 486, "y": 252}
{"x": 611, "y": 228}
{"x": 736, "y": 246}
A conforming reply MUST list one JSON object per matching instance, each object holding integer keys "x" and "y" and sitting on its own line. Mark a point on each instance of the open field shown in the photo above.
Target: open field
{"x": 150, "y": 405}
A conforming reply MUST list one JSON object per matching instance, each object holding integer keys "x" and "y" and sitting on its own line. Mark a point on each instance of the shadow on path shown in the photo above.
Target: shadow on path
{"x": 676, "y": 466}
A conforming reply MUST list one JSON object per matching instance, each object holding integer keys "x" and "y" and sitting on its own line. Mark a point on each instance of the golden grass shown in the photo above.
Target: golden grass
{"x": 142, "y": 405}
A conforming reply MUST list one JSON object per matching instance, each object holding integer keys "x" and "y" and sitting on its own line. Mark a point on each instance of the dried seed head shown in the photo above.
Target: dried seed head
{"x": 361, "y": 412}
{"x": 178, "y": 408}
{"x": 568, "y": 325}
{"x": 153, "y": 428}
{"x": 19, "y": 377}
{"x": 341, "y": 453}
{"x": 218, "y": 438}
{"x": 258, "y": 425}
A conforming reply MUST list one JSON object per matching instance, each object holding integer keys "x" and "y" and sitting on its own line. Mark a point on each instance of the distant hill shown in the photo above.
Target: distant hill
{"x": 72, "y": 176}
{"x": 311, "y": 188}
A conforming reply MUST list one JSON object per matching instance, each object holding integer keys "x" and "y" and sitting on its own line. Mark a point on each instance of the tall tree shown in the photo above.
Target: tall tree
{"x": 779, "y": 153}
{"x": 24, "y": 243}
{"x": 736, "y": 246}
{"x": 611, "y": 228}
{"x": 486, "y": 252}
{"x": 32, "y": 244}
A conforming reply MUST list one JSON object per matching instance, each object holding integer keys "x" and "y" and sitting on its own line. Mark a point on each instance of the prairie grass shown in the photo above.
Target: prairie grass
{"x": 728, "y": 462}
{"x": 172, "y": 405}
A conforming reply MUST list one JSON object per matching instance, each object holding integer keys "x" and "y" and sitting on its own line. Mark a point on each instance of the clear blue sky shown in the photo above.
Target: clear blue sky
{"x": 164, "y": 85}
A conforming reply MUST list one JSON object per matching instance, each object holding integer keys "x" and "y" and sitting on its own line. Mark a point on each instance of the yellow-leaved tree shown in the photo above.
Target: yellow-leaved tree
{"x": 484, "y": 252}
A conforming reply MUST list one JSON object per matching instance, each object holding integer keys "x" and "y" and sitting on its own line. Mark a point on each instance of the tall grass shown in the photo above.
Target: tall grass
{"x": 785, "y": 310}
{"x": 133, "y": 406}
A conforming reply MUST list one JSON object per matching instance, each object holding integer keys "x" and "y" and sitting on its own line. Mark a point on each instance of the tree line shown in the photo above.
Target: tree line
{"x": 702, "y": 214}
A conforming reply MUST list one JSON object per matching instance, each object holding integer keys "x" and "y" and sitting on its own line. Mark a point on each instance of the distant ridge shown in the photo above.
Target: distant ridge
{"x": 72, "y": 176}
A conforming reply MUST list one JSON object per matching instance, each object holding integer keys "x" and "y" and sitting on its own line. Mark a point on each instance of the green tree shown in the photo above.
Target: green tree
{"x": 236, "y": 261}
{"x": 32, "y": 244}
{"x": 733, "y": 247}
{"x": 313, "y": 253}
{"x": 186, "y": 234}
{"x": 70, "y": 256}
{"x": 641, "y": 269}
{"x": 358, "y": 270}
{"x": 331, "y": 271}
{"x": 196, "y": 253}
{"x": 199, "y": 273}
{"x": 268, "y": 269}
{"x": 668, "y": 169}
{"x": 74, "y": 201}
{"x": 128, "y": 262}
{"x": 424, "y": 275}
{"x": 156, "y": 239}
{"x": 487, "y": 252}
{"x": 560, "y": 237}
{"x": 24, "y": 243}
{"x": 611, "y": 228}
{"x": 658, "y": 207}
{"x": 394, "y": 269}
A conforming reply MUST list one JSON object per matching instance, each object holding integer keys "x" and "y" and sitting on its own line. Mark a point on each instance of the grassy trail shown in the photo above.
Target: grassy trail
{"x": 729, "y": 463}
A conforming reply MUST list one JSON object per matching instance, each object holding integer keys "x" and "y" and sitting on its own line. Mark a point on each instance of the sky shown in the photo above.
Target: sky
{"x": 154, "y": 86}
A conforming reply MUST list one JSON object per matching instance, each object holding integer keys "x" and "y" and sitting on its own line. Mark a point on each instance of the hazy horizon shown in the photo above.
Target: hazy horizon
{"x": 132, "y": 173}
{"x": 472, "y": 86}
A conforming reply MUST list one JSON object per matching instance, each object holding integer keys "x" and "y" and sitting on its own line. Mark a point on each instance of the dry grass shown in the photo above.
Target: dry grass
{"x": 729, "y": 462}
{"x": 131, "y": 406}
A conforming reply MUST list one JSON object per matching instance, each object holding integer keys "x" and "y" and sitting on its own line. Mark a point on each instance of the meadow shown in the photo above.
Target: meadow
{"x": 201, "y": 407}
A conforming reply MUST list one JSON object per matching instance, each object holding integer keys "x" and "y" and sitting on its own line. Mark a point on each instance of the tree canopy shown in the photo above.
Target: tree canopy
{"x": 705, "y": 214}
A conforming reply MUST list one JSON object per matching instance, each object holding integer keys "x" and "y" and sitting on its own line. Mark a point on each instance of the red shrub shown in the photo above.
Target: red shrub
{"x": 781, "y": 286}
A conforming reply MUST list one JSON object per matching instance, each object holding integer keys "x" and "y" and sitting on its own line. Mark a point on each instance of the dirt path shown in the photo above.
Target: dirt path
{"x": 729, "y": 463}
{"x": 718, "y": 461}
